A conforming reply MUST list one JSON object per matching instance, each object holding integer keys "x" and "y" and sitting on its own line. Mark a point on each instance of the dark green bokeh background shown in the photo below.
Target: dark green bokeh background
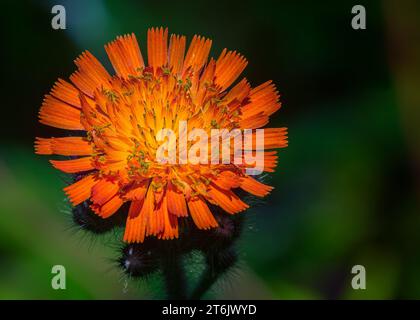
{"x": 347, "y": 187}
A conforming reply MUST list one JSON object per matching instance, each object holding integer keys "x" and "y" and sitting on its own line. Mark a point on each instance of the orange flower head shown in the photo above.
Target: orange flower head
{"x": 120, "y": 119}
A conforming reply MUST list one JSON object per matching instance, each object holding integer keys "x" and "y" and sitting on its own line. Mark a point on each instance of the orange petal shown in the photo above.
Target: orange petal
{"x": 239, "y": 92}
{"x": 264, "y": 98}
{"x": 109, "y": 208}
{"x": 135, "y": 225}
{"x": 103, "y": 191}
{"x": 67, "y": 146}
{"x": 227, "y": 180}
{"x": 137, "y": 192}
{"x": 197, "y": 53}
{"x": 125, "y": 55}
{"x": 156, "y": 220}
{"x": 201, "y": 214}
{"x": 80, "y": 190}
{"x": 56, "y": 113}
{"x": 176, "y": 53}
{"x": 73, "y": 166}
{"x": 205, "y": 80}
{"x": 254, "y": 122}
{"x": 270, "y": 161}
{"x": 273, "y": 138}
{"x": 176, "y": 202}
{"x": 135, "y": 228}
{"x": 255, "y": 187}
{"x": 91, "y": 74}
{"x": 228, "y": 68}
{"x": 227, "y": 200}
{"x": 92, "y": 115}
{"x": 66, "y": 92}
{"x": 157, "y": 47}
{"x": 170, "y": 229}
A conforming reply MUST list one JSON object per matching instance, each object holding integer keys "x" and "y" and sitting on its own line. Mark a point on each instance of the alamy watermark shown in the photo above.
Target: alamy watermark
{"x": 193, "y": 147}
{"x": 358, "y": 282}
{"x": 59, "y": 20}
{"x": 58, "y": 281}
{"x": 359, "y": 20}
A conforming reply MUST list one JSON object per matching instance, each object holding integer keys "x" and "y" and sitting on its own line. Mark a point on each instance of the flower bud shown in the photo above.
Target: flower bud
{"x": 139, "y": 259}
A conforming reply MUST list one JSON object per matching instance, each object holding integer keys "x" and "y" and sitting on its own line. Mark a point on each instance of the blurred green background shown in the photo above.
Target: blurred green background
{"x": 347, "y": 187}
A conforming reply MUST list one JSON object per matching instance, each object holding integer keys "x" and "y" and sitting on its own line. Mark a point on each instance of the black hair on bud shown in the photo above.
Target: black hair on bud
{"x": 221, "y": 261}
{"x": 139, "y": 259}
{"x": 229, "y": 229}
{"x": 84, "y": 217}
{"x": 224, "y": 235}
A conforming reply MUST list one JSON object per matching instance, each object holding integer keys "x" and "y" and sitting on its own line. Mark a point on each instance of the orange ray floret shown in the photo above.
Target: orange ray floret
{"x": 119, "y": 116}
{"x": 103, "y": 191}
{"x": 137, "y": 218}
{"x": 73, "y": 166}
{"x": 58, "y": 114}
{"x": 90, "y": 75}
{"x": 109, "y": 208}
{"x": 201, "y": 214}
{"x": 227, "y": 200}
{"x": 270, "y": 160}
{"x": 67, "y": 146}
{"x": 176, "y": 53}
{"x": 255, "y": 187}
{"x": 157, "y": 51}
{"x": 228, "y": 68}
{"x": 125, "y": 55}
{"x": 66, "y": 92}
{"x": 135, "y": 225}
{"x": 238, "y": 93}
{"x": 170, "y": 227}
{"x": 263, "y": 98}
{"x": 273, "y": 138}
{"x": 137, "y": 192}
{"x": 227, "y": 180}
{"x": 197, "y": 53}
{"x": 176, "y": 202}
{"x": 80, "y": 190}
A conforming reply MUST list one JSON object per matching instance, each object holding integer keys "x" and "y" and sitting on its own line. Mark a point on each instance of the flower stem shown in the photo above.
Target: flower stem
{"x": 208, "y": 278}
{"x": 174, "y": 277}
{"x": 218, "y": 263}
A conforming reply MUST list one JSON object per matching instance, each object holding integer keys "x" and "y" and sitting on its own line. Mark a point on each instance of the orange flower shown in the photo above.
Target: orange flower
{"x": 121, "y": 115}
